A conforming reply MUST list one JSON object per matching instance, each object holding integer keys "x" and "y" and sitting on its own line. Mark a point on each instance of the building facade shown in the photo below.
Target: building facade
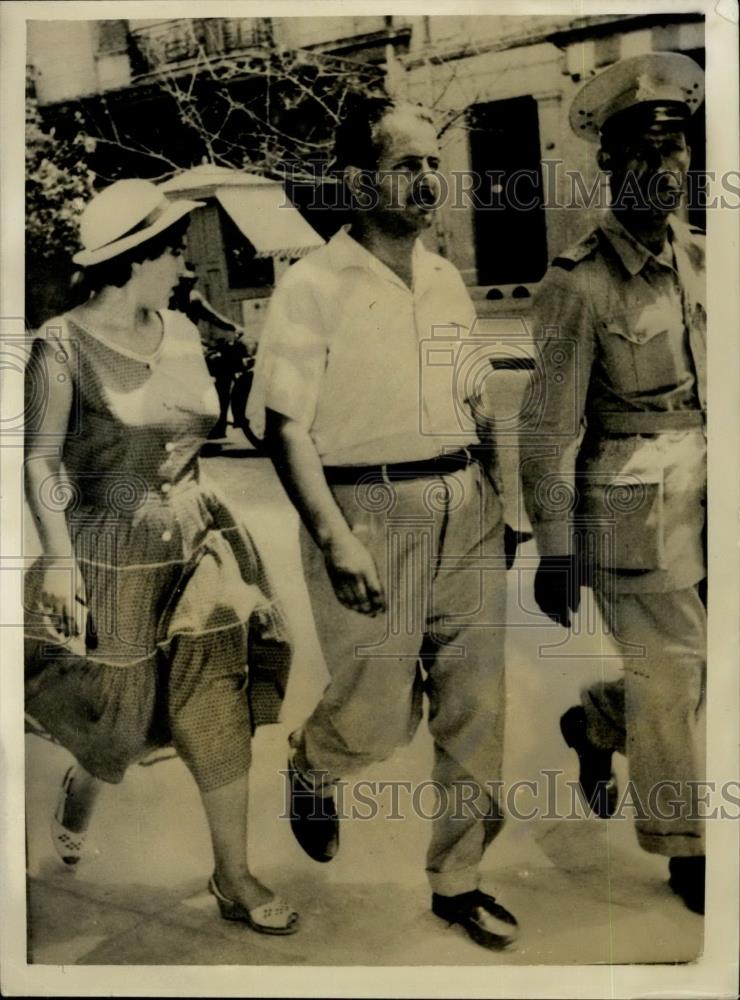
{"x": 520, "y": 184}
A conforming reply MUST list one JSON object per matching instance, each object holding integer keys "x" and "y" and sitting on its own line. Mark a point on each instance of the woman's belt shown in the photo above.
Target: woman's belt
{"x": 645, "y": 421}
{"x": 441, "y": 465}
{"x": 125, "y": 492}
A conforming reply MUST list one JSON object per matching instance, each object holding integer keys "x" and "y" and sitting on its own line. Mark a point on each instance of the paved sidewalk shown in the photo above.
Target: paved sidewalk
{"x": 582, "y": 890}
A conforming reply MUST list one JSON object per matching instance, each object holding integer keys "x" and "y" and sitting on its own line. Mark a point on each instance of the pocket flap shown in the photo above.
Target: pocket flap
{"x": 639, "y": 327}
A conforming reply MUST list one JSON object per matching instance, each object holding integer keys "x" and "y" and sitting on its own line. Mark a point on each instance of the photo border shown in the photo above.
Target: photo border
{"x": 716, "y": 973}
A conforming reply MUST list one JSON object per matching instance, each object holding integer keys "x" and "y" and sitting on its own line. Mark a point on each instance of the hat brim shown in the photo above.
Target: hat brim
{"x": 681, "y": 82}
{"x": 176, "y": 211}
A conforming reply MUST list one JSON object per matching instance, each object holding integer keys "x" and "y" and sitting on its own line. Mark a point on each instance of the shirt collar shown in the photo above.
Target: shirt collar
{"x": 633, "y": 254}
{"x": 345, "y": 252}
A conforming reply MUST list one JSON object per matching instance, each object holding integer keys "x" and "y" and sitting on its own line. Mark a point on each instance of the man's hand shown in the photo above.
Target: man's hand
{"x": 557, "y": 588}
{"x": 351, "y": 568}
{"x": 354, "y": 575}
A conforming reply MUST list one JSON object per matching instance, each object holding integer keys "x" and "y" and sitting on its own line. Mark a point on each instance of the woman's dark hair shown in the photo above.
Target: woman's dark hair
{"x": 357, "y": 139}
{"x": 116, "y": 272}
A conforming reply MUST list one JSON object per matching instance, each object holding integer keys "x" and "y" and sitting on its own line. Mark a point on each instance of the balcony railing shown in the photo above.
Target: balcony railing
{"x": 169, "y": 43}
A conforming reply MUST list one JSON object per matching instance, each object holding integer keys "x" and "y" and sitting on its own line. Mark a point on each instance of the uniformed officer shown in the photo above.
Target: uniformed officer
{"x": 614, "y": 474}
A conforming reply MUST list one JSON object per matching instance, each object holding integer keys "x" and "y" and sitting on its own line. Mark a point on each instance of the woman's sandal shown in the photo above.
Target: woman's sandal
{"x": 273, "y": 917}
{"x": 69, "y": 844}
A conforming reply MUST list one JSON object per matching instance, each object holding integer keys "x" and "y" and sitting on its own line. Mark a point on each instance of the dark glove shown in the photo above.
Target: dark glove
{"x": 557, "y": 588}
{"x": 512, "y": 540}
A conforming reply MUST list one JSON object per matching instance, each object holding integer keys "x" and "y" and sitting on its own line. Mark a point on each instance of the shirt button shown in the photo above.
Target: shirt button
{"x": 166, "y": 536}
{"x": 169, "y": 446}
{"x": 166, "y": 487}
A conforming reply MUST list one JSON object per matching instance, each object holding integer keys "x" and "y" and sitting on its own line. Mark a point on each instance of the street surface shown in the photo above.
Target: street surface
{"x": 582, "y": 890}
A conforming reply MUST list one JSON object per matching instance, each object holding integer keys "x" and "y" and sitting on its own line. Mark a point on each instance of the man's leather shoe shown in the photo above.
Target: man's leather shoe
{"x": 595, "y": 775}
{"x": 687, "y": 880}
{"x": 313, "y": 817}
{"x": 485, "y": 920}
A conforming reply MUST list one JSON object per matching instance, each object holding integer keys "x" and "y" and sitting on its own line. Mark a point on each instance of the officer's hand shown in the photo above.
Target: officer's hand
{"x": 512, "y": 540}
{"x": 354, "y": 575}
{"x": 557, "y": 588}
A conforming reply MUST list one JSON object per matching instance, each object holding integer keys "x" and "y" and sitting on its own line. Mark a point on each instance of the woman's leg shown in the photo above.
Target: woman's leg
{"x": 226, "y": 810}
{"x": 211, "y": 730}
{"x": 81, "y": 793}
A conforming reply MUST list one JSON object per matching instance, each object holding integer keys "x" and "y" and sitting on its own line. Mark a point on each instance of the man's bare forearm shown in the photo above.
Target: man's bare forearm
{"x": 299, "y": 467}
{"x": 487, "y": 452}
{"x": 351, "y": 568}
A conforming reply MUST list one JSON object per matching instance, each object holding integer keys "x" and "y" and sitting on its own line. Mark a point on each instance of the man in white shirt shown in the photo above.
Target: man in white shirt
{"x": 372, "y": 430}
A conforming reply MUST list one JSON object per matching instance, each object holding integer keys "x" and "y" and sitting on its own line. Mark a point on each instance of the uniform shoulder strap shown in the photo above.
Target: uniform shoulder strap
{"x": 584, "y": 248}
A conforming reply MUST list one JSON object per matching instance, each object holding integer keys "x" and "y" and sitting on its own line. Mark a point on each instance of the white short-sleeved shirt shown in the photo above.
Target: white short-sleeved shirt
{"x": 370, "y": 367}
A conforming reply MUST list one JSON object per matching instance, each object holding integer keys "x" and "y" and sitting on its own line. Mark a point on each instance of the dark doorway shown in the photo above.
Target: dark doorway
{"x": 510, "y": 231}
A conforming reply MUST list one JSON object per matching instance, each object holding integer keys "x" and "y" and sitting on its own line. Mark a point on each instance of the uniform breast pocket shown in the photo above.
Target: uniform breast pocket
{"x": 638, "y": 350}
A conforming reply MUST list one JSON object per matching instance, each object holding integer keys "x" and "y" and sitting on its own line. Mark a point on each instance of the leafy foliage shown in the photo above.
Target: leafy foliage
{"x": 58, "y": 183}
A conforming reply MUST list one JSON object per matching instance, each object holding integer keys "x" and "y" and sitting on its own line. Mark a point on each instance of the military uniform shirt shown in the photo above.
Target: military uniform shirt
{"x": 621, "y": 330}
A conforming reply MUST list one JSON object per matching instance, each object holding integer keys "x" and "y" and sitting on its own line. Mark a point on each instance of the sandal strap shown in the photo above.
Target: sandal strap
{"x": 69, "y": 844}
{"x": 275, "y": 913}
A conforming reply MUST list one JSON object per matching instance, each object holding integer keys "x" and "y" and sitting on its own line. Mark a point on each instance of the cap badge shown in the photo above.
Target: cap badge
{"x": 645, "y": 88}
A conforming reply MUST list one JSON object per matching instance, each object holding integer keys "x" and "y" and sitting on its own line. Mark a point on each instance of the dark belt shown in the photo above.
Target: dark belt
{"x": 646, "y": 421}
{"x": 442, "y": 465}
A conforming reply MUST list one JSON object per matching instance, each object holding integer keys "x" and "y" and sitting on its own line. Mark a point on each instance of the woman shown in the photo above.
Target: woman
{"x": 174, "y": 591}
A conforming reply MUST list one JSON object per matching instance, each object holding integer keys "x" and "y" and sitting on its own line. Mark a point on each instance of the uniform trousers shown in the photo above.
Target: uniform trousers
{"x": 438, "y": 545}
{"x": 655, "y": 713}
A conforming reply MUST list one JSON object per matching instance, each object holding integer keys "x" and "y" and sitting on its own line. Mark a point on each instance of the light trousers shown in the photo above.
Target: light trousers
{"x": 655, "y": 713}
{"x": 438, "y": 545}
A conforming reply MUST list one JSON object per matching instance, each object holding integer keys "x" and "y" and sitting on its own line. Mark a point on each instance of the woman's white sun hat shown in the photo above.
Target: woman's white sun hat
{"x": 122, "y": 216}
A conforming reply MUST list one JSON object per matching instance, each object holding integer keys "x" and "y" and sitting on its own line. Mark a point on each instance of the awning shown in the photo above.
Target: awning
{"x": 269, "y": 220}
{"x": 206, "y": 177}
